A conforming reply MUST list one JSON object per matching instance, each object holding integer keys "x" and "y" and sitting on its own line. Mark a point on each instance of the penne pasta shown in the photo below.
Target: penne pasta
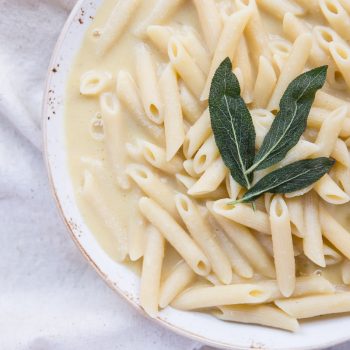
{"x": 113, "y": 122}
{"x": 173, "y": 120}
{"x": 162, "y": 10}
{"x": 315, "y": 305}
{"x": 278, "y": 8}
{"x": 345, "y": 272}
{"x": 148, "y": 84}
{"x": 152, "y": 185}
{"x": 185, "y": 66}
{"x": 205, "y": 156}
{"x": 312, "y": 241}
{"x": 191, "y": 107}
{"x": 116, "y": 24}
{"x": 334, "y": 232}
{"x": 294, "y": 65}
{"x": 265, "y": 315}
{"x": 336, "y": 16}
{"x": 282, "y": 245}
{"x": 227, "y": 43}
{"x": 202, "y": 235}
{"x": 175, "y": 283}
{"x": 160, "y": 36}
{"x": 203, "y": 297}
{"x": 211, "y": 179}
{"x": 175, "y": 235}
{"x": 93, "y": 82}
{"x": 151, "y": 271}
{"x": 210, "y": 21}
{"x": 156, "y": 156}
{"x": 330, "y": 192}
{"x": 264, "y": 84}
{"x": 128, "y": 94}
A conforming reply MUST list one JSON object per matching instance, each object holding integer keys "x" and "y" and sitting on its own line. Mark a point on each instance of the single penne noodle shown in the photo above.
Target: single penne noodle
{"x": 91, "y": 192}
{"x": 173, "y": 120}
{"x": 278, "y": 8}
{"x": 242, "y": 61}
{"x": 239, "y": 75}
{"x": 210, "y": 21}
{"x": 263, "y": 116}
{"x": 280, "y": 46}
{"x": 94, "y": 82}
{"x": 191, "y": 107}
{"x": 334, "y": 232}
{"x": 305, "y": 285}
{"x": 148, "y": 84}
{"x": 227, "y": 43}
{"x": 311, "y": 6}
{"x": 342, "y": 177}
{"x": 293, "y": 26}
{"x": 260, "y": 133}
{"x": 335, "y": 76}
{"x": 116, "y": 24}
{"x": 299, "y": 193}
{"x": 246, "y": 242}
{"x": 186, "y": 66}
{"x": 282, "y": 245}
{"x": 175, "y": 235}
{"x": 194, "y": 47}
{"x": 211, "y": 178}
{"x": 265, "y": 315}
{"x": 151, "y": 271}
{"x": 205, "y": 156}
{"x": 197, "y": 134}
{"x": 233, "y": 187}
{"x": 302, "y": 150}
{"x": 329, "y": 132}
{"x": 331, "y": 256}
{"x": 243, "y": 214}
{"x": 156, "y": 156}
{"x": 341, "y": 55}
{"x": 160, "y": 36}
{"x": 315, "y": 305}
{"x": 326, "y": 101}
{"x": 202, "y": 235}
{"x": 329, "y": 191}
{"x": 296, "y": 213}
{"x": 293, "y": 67}
{"x": 255, "y": 32}
{"x": 325, "y": 36}
{"x": 203, "y": 297}
{"x": 179, "y": 278}
{"x": 136, "y": 228}
{"x": 114, "y": 129}
{"x": 341, "y": 154}
{"x": 345, "y": 271}
{"x": 267, "y": 201}
{"x": 336, "y": 16}
{"x": 312, "y": 241}
{"x": 189, "y": 168}
{"x": 264, "y": 84}
{"x": 238, "y": 262}
{"x": 161, "y": 11}
{"x": 185, "y": 180}
{"x": 152, "y": 185}
{"x": 128, "y": 94}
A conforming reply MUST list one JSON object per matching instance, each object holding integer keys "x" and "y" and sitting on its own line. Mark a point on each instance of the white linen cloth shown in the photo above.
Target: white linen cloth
{"x": 50, "y": 297}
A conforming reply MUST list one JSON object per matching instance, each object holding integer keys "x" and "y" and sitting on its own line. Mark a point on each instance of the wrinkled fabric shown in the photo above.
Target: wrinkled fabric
{"x": 50, "y": 297}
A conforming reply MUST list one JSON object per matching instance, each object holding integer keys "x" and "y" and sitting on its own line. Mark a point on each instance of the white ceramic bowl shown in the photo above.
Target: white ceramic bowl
{"x": 315, "y": 334}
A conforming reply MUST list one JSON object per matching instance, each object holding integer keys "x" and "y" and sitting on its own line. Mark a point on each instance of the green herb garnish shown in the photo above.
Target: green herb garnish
{"x": 235, "y": 135}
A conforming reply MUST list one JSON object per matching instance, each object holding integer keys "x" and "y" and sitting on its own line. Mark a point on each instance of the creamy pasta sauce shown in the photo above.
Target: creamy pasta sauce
{"x": 85, "y": 133}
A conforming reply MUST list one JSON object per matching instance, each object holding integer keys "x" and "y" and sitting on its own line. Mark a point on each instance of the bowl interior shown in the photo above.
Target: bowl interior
{"x": 318, "y": 333}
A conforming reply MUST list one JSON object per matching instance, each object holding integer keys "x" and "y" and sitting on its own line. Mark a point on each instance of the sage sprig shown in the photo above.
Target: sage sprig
{"x": 232, "y": 124}
{"x": 290, "y": 121}
{"x": 235, "y": 135}
{"x": 290, "y": 178}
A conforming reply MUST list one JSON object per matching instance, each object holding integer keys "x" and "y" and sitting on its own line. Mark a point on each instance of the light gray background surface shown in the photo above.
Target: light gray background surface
{"x": 50, "y": 297}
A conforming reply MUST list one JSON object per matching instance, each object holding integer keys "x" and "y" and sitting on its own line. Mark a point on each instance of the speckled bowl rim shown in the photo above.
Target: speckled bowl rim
{"x": 70, "y": 225}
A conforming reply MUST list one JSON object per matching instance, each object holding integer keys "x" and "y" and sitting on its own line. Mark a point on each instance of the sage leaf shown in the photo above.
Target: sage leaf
{"x": 292, "y": 177}
{"x": 290, "y": 121}
{"x": 232, "y": 124}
